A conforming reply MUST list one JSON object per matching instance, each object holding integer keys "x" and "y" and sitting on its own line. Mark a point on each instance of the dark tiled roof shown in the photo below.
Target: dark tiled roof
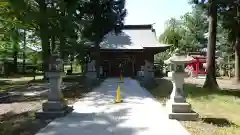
{"x": 148, "y": 26}
{"x": 132, "y": 37}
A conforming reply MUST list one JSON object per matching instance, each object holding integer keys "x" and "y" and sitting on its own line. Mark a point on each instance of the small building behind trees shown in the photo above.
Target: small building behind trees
{"x": 134, "y": 48}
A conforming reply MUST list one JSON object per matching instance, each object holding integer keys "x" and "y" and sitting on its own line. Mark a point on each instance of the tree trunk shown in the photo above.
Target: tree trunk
{"x": 44, "y": 36}
{"x": 46, "y": 52}
{"x": 15, "y": 64}
{"x": 97, "y": 58}
{"x": 15, "y": 55}
{"x": 53, "y": 45}
{"x": 24, "y": 53}
{"x": 71, "y": 62}
{"x": 229, "y": 67}
{"x": 237, "y": 48}
{"x": 71, "y": 66}
{"x": 62, "y": 47}
{"x": 237, "y": 59}
{"x": 83, "y": 68}
{"x": 210, "y": 81}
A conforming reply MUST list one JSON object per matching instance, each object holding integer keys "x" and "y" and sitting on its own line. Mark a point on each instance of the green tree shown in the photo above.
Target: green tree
{"x": 108, "y": 16}
{"x": 211, "y": 6}
{"x": 195, "y": 26}
{"x": 187, "y": 34}
{"x": 52, "y": 21}
{"x": 230, "y": 17}
{"x": 172, "y": 34}
{"x": 61, "y": 24}
{"x": 11, "y": 32}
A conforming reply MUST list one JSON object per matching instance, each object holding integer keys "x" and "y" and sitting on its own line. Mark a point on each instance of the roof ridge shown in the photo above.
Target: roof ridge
{"x": 139, "y": 26}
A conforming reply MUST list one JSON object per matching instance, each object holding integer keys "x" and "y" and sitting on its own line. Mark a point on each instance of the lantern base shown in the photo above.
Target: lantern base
{"x": 181, "y": 111}
{"x": 118, "y": 101}
{"x": 53, "y": 114}
{"x": 53, "y": 106}
{"x": 52, "y": 109}
{"x": 183, "y": 116}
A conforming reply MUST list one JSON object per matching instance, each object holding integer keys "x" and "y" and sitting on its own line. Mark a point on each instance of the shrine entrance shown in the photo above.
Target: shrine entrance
{"x": 127, "y": 67}
{"x": 110, "y": 62}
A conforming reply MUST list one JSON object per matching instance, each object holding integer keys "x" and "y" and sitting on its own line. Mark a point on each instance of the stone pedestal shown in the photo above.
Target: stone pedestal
{"x": 56, "y": 105}
{"x": 91, "y": 75}
{"x": 148, "y": 74}
{"x": 91, "y": 71}
{"x": 177, "y": 106}
{"x": 148, "y": 70}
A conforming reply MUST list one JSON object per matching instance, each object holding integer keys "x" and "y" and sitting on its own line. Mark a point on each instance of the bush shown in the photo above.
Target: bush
{"x": 159, "y": 69}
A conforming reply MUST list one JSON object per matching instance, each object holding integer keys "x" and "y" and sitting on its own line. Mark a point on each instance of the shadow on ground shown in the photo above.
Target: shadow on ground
{"x": 9, "y": 86}
{"x": 2, "y": 82}
{"x": 67, "y": 78}
{"x": 74, "y": 91}
{"x": 73, "y": 88}
{"x": 20, "y": 75}
{"x": 219, "y": 122}
{"x": 91, "y": 123}
{"x": 161, "y": 89}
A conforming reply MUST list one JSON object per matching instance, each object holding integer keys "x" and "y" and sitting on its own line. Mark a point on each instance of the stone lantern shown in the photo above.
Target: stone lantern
{"x": 55, "y": 64}
{"x": 56, "y": 105}
{"x": 177, "y": 106}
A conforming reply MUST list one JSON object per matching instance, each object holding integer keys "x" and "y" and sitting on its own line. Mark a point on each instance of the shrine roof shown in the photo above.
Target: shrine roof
{"x": 132, "y": 37}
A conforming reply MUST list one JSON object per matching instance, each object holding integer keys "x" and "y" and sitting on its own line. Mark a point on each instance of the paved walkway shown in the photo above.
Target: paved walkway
{"x": 140, "y": 114}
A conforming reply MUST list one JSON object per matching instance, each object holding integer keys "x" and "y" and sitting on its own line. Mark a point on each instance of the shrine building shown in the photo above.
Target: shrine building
{"x": 134, "y": 48}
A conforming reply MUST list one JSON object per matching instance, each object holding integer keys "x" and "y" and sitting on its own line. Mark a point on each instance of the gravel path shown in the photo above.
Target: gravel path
{"x": 96, "y": 114}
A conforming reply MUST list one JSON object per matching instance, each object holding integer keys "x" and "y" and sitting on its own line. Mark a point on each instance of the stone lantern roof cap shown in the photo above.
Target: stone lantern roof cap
{"x": 179, "y": 59}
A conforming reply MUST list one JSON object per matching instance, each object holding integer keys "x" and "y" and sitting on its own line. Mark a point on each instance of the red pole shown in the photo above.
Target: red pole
{"x": 120, "y": 75}
{"x": 197, "y": 67}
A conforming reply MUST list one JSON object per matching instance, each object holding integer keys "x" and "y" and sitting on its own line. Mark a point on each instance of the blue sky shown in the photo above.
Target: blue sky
{"x": 155, "y": 11}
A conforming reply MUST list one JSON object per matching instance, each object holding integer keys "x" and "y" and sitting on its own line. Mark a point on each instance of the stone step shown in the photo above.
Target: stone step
{"x": 52, "y": 114}
{"x": 193, "y": 116}
{"x": 180, "y": 107}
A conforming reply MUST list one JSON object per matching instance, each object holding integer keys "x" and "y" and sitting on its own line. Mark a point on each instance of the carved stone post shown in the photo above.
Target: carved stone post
{"x": 91, "y": 70}
{"x": 177, "y": 106}
{"x": 56, "y": 105}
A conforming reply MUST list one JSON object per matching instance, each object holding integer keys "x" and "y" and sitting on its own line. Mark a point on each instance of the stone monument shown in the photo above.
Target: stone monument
{"x": 91, "y": 70}
{"x": 148, "y": 79}
{"x": 56, "y": 105}
{"x": 177, "y": 106}
{"x": 91, "y": 79}
{"x": 148, "y": 70}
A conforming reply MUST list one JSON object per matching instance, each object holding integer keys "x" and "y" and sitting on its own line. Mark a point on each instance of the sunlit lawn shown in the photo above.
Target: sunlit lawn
{"x": 219, "y": 110}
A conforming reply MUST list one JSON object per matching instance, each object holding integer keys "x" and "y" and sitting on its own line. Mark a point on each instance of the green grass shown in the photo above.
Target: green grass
{"x": 20, "y": 82}
{"x": 15, "y": 83}
{"x": 218, "y": 109}
{"x": 21, "y": 124}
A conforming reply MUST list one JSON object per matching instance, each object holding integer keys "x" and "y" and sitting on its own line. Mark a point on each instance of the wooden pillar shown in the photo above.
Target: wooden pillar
{"x": 133, "y": 67}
